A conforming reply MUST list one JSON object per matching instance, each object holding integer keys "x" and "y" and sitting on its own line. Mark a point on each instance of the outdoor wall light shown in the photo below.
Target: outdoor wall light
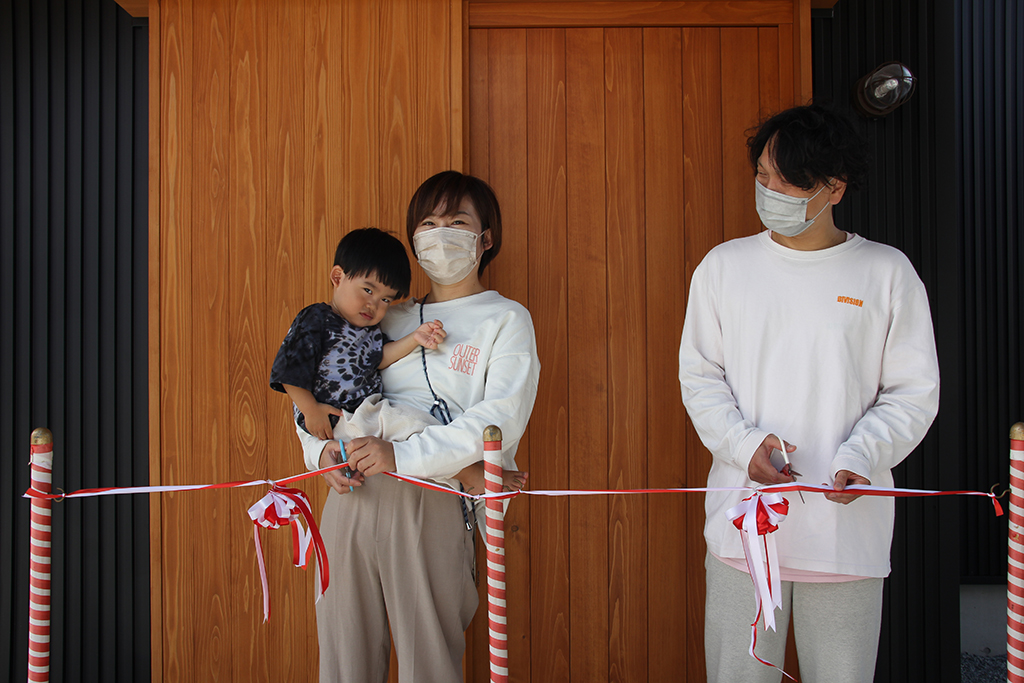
{"x": 883, "y": 89}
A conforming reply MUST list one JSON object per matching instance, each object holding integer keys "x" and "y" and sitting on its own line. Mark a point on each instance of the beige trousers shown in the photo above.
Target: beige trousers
{"x": 402, "y": 555}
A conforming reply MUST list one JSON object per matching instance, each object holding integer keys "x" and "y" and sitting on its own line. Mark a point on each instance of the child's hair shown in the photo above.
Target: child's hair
{"x": 810, "y": 145}
{"x": 373, "y": 252}
{"x": 443, "y": 192}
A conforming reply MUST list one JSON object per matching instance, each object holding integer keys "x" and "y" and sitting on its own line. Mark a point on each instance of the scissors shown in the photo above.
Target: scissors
{"x": 791, "y": 472}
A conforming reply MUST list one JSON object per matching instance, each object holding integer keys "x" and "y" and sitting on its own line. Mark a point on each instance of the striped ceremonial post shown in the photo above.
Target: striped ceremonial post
{"x": 39, "y": 563}
{"x": 1015, "y": 561}
{"x": 497, "y": 624}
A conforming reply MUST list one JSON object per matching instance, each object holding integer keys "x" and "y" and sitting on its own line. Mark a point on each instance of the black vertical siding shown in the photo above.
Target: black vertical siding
{"x": 909, "y": 204}
{"x": 73, "y": 321}
{"x": 989, "y": 38}
{"x": 946, "y": 189}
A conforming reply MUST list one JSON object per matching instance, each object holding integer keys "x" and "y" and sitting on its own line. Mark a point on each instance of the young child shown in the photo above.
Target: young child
{"x": 329, "y": 361}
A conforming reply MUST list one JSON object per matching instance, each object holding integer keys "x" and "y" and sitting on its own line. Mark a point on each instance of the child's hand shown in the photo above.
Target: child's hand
{"x": 318, "y": 421}
{"x": 429, "y": 335}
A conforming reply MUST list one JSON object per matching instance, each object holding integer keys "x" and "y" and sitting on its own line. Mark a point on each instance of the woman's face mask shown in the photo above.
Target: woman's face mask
{"x": 447, "y": 255}
{"x": 784, "y": 214}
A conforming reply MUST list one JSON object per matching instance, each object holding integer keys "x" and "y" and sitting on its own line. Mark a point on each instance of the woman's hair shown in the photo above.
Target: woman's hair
{"x": 369, "y": 252}
{"x": 441, "y": 195}
{"x": 810, "y": 145}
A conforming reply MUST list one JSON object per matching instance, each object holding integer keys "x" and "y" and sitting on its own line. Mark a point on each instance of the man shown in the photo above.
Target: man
{"x": 812, "y": 339}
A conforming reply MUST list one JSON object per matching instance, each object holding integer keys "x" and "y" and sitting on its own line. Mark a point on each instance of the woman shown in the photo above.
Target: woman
{"x": 402, "y": 555}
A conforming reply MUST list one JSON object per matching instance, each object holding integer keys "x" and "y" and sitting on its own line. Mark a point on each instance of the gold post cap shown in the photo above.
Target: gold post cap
{"x": 492, "y": 433}
{"x": 42, "y": 436}
{"x": 1017, "y": 432}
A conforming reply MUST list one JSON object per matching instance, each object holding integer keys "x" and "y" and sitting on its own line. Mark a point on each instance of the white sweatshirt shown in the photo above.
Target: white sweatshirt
{"x": 486, "y": 370}
{"x": 831, "y": 351}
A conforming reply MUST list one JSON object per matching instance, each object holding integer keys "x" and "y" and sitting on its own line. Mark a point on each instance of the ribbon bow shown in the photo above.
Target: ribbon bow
{"x": 758, "y": 516}
{"x": 283, "y": 506}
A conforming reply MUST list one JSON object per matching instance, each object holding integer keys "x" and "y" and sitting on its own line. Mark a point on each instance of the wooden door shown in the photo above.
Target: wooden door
{"x": 617, "y": 149}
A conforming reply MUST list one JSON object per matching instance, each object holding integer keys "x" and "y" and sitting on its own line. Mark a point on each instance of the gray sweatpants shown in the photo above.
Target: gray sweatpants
{"x": 400, "y": 554}
{"x": 835, "y": 625}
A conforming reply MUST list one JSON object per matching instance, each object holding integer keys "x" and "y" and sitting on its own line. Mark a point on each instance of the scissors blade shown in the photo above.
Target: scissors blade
{"x": 793, "y": 473}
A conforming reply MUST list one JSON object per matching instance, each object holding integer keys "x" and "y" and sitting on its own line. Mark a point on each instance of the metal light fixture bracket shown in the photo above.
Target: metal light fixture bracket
{"x": 883, "y": 89}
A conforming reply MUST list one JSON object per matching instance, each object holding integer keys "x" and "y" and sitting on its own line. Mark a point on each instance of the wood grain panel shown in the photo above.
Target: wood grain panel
{"x": 787, "y": 89}
{"x": 740, "y": 102}
{"x": 284, "y": 291}
{"x": 246, "y": 321}
{"x": 664, "y": 189}
{"x": 212, "y": 221}
{"x": 801, "y": 52}
{"x": 507, "y": 174}
{"x": 155, "y": 270}
{"x": 321, "y": 218}
{"x": 588, "y": 361}
{"x": 702, "y": 154}
{"x": 458, "y": 69}
{"x": 546, "y": 214}
{"x": 768, "y": 81}
{"x": 397, "y": 179}
{"x": 627, "y": 326}
{"x": 478, "y": 105}
{"x": 574, "y": 14}
{"x": 175, "y": 388}
{"x": 432, "y": 146}
{"x": 354, "y": 122}
{"x": 431, "y": 106}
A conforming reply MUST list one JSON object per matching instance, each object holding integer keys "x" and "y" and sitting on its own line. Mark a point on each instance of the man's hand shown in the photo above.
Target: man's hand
{"x": 761, "y": 469}
{"x": 371, "y": 455}
{"x": 845, "y": 478}
{"x": 336, "y": 479}
{"x": 318, "y": 421}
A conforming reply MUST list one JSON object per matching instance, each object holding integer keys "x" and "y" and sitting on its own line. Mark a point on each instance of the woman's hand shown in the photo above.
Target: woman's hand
{"x": 371, "y": 455}
{"x": 341, "y": 479}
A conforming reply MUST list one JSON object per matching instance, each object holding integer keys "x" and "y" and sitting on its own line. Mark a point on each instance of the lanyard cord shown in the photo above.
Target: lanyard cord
{"x": 439, "y": 410}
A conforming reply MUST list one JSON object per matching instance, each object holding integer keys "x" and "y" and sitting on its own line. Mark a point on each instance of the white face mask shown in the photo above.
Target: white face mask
{"x": 784, "y": 214}
{"x": 447, "y": 255}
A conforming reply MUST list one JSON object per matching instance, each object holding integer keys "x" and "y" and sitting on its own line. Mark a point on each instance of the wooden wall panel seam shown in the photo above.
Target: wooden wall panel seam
{"x": 154, "y": 298}
{"x": 630, "y": 14}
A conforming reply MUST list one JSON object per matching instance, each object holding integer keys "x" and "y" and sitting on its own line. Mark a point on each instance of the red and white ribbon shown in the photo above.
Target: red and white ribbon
{"x": 283, "y": 506}
{"x": 298, "y": 500}
{"x": 757, "y": 516}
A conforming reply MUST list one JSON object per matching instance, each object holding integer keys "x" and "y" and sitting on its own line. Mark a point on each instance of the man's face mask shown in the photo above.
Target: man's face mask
{"x": 784, "y": 214}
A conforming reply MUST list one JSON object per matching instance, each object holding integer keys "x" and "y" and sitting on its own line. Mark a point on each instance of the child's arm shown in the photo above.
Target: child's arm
{"x": 427, "y": 335}
{"x": 317, "y": 415}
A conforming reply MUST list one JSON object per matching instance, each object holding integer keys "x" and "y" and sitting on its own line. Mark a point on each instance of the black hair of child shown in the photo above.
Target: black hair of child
{"x": 812, "y": 144}
{"x": 373, "y": 252}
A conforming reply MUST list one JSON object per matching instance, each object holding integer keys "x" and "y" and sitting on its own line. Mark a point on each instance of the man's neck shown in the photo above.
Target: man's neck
{"x": 822, "y": 234}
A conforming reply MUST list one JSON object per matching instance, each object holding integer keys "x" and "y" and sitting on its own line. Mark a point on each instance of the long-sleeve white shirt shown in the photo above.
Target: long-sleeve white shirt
{"x": 486, "y": 370}
{"x": 831, "y": 351}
